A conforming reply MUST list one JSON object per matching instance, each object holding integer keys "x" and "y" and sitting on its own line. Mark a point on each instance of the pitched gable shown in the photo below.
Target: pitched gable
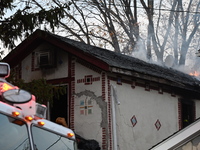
{"x": 105, "y": 60}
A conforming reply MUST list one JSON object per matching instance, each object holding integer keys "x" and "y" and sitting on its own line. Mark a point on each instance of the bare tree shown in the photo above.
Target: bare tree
{"x": 113, "y": 24}
{"x": 175, "y": 30}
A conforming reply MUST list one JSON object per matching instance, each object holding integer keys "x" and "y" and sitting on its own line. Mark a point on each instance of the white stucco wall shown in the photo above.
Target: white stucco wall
{"x": 60, "y": 71}
{"x": 88, "y": 125}
{"x": 147, "y": 107}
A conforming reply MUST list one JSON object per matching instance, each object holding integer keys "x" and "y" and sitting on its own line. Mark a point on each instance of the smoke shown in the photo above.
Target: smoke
{"x": 140, "y": 51}
{"x": 192, "y": 66}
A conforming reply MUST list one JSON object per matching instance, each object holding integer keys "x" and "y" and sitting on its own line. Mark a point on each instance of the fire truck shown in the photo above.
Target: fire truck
{"x": 22, "y": 121}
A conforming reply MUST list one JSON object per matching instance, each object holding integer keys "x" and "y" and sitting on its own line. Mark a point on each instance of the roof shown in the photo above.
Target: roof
{"x": 102, "y": 58}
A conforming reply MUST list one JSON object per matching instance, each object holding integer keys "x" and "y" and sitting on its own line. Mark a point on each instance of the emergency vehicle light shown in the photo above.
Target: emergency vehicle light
{"x": 69, "y": 135}
{"x": 29, "y": 118}
{"x": 4, "y": 70}
{"x": 41, "y": 123}
{"x": 6, "y": 87}
{"x": 15, "y": 113}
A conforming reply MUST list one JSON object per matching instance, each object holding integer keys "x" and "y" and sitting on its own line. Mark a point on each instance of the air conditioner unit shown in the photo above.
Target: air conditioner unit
{"x": 46, "y": 59}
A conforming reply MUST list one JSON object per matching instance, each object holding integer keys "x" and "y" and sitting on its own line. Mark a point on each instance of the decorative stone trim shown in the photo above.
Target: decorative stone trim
{"x": 104, "y": 130}
{"x": 147, "y": 86}
{"x": 160, "y": 90}
{"x": 89, "y": 79}
{"x": 158, "y": 124}
{"x": 133, "y": 84}
{"x": 72, "y": 100}
{"x": 134, "y": 120}
{"x": 109, "y": 115}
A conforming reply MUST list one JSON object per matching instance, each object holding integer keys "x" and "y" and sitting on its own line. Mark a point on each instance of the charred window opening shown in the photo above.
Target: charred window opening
{"x": 187, "y": 112}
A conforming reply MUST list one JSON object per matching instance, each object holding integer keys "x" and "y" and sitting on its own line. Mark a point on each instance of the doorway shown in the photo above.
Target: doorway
{"x": 187, "y": 112}
{"x": 59, "y": 107}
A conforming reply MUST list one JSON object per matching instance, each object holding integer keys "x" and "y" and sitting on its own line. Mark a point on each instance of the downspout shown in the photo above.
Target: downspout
{"x": 114, "y": 100}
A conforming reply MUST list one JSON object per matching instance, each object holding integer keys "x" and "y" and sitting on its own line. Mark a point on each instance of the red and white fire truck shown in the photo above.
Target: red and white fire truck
{"x": 22, "y": 121}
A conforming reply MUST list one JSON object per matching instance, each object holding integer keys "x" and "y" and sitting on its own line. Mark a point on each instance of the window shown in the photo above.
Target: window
{"x": 187, "y": 112}
{"x": 43, "y": 59}
{"x": 44, "y": 139}
{"x": 14, "y": 134}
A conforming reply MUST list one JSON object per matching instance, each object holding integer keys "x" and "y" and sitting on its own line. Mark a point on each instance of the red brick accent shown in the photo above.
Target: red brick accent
{"x": 103, "y": 86}
{"x": 109, "y": 116}
{"x": 17, "y": 70}
{"x": 135, "y": 83}
{"x": 147, "y": 87}
{"x": 92, "y": 79}
{"x": 88, "y": 79}
{"x": 104, "y": 141}
{"x": 160, "y": 90}
{"x": 179, "y": 115}
{"x": 33, "y": 67}
{"x": 71, "y": 92}
{"x": 104, "y": 133}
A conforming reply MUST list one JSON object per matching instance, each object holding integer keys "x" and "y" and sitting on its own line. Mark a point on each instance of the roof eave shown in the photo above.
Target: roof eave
{"x": 28, "y": 45}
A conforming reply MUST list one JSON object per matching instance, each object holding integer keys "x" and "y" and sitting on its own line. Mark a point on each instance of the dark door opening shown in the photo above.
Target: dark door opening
{"x": 59, "y": 107}
{"x": 188, "y": 112}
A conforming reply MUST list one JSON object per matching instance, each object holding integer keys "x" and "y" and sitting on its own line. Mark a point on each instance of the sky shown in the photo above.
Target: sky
{"x": 142, "y": 23}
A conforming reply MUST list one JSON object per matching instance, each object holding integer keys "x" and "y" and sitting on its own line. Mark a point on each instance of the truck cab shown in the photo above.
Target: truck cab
{"x": 22, "y": 121}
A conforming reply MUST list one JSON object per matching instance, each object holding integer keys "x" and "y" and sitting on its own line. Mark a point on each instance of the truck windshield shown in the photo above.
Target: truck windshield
{"x": 13, "y": 132}
{"x": 46, "y": 140}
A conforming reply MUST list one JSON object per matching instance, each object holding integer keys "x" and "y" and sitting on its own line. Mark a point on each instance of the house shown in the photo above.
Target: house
{"x": 120, "y": 101}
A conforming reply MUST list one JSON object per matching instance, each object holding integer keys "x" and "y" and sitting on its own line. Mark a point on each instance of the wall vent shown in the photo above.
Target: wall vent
{"x": 46, "y": 59}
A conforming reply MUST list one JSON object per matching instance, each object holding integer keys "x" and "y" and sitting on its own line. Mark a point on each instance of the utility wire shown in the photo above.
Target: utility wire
{"x": 192, "y": 12}
{"x": 162, "y": 9}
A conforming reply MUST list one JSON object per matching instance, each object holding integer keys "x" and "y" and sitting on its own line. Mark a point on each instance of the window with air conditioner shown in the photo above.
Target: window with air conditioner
{"x": 46, "y": 59}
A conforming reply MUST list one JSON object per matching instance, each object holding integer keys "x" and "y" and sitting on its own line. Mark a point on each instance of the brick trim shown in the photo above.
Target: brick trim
{"x": 180, "y": 124}
{"x": 146, "y": 85}
{"x": 179, "y": 115}
{"x": 110, "y": 116}
{"x": 71, "y": 73}
{"x": 104, "y": 130}
{"x": 90, "y": 81}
